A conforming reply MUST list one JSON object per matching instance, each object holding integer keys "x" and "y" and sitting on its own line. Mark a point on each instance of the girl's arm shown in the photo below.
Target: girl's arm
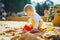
{"x": 40, "y": 20}
{"x": 36, "y": 24}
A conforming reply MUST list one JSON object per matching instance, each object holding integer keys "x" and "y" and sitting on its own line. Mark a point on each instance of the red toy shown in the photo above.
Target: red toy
{"x": 26, "y": 27}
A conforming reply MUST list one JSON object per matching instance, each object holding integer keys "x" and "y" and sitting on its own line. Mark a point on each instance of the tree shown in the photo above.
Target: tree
{"x": 44, "y": 5}
{"x": 15, "y": 5}
{"x": 49, "y": 2}
{"x": 39, "y": 9}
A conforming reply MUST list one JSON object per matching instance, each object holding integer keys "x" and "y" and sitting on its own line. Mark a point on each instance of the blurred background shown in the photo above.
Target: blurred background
{"x": 15, "y": 7}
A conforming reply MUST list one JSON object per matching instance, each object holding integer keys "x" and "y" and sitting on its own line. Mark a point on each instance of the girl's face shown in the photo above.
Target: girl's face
{"x": 30, "y": 12}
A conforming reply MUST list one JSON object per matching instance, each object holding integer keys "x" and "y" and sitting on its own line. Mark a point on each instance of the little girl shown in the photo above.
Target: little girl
{"x": 29, "y": 10}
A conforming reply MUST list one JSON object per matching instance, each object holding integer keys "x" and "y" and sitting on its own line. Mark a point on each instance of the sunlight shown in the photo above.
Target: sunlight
{"x": 55, "y": 2}
{"x": 38, "y": 0}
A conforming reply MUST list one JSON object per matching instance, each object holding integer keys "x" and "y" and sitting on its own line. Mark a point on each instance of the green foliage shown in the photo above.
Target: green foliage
{"x": 56, "y": 5}
{"x": 15, "y": 5}
{"x": 39, "y": 9}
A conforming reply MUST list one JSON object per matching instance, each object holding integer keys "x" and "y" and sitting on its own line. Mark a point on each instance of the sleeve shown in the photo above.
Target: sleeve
{"x": 36, "y": 24}
{"x": 40, "y": 20}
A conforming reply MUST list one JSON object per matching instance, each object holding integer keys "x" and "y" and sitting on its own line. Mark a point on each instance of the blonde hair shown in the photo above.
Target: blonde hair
{"x": 29, "y": 6}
